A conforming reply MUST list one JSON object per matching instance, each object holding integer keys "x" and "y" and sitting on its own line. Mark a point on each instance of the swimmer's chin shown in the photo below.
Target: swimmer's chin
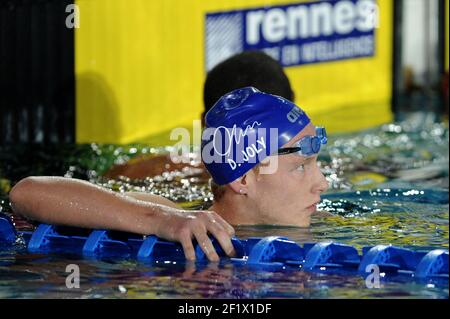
{"x": 322, "y": 213}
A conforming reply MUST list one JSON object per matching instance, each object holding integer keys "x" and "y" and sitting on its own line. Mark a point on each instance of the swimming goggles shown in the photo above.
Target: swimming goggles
{"x": 308, "y": 145}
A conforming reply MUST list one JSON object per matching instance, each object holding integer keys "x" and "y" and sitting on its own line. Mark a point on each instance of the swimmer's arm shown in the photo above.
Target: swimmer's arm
{"x": 72, "y": 202}
{"x": 156, "y": 199}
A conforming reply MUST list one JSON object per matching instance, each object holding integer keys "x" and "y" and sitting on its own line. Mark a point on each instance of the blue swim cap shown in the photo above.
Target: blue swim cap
{"x": 244, "y": 127}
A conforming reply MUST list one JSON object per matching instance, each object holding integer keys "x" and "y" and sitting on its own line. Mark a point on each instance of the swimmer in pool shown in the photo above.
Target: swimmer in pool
{"x": 246, "y": 133}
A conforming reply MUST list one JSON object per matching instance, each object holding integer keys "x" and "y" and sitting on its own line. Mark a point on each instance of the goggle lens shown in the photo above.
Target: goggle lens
{"x": 308, "y": 145}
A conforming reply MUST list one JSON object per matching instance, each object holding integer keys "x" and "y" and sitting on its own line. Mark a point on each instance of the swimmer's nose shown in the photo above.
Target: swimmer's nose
{"x": 321, "y": 184}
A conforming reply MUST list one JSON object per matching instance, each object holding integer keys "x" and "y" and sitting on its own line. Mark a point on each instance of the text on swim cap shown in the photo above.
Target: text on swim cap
{"x": 249, "y": 153}
{"x": 233, "y": 134}
{"x": 294, "y": 114}
{"x": 236, "y": 146}
{"x": 234, "y": 137}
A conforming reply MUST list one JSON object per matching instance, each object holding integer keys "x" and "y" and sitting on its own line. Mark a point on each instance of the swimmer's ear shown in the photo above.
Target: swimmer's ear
{"x": 239, "y": 186}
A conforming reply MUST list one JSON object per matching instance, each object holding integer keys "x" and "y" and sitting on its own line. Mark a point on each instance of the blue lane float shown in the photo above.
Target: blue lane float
{"x": 331, "y": 255}
{"x": 273, "y": 252}
{"x": 8, "y": 232}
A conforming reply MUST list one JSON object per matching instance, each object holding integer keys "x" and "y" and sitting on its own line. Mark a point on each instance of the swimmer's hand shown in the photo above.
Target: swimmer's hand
{"x": 185, "y": 225}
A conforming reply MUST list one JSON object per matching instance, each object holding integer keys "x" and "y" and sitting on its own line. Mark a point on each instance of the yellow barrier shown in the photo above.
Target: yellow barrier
{"x": 140, "y": 71}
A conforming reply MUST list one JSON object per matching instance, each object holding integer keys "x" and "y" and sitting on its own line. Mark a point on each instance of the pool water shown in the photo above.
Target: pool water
{"x": 387, "y": 185}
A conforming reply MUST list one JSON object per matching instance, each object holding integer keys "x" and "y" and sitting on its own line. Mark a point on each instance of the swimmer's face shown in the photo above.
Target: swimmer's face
{"x": 290, "y": 194}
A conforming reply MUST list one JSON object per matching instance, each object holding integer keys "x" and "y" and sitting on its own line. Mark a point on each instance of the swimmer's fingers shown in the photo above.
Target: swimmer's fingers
{"x": 217, "y": 218}
{"x": 206, "y": 244}
{"x": 223, "y": 237}
{"x": 225, "y": 225}
{"x": 188, "y": 247}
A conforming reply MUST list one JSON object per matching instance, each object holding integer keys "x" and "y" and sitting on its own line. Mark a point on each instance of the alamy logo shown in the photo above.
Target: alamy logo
{"x": 373, "y": 279}
{"x": 73, "y": 279}
{"x": 73, "y": 18}
{"x": 295, "y": 34}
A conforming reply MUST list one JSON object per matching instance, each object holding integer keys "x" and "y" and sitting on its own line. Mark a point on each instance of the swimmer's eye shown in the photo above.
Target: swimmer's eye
{"x": 308, "y": 163}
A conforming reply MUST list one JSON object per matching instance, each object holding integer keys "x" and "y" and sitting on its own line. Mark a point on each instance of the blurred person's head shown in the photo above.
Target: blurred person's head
{"x": 249, "y": 68}
{"x": 246, "y": 131}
